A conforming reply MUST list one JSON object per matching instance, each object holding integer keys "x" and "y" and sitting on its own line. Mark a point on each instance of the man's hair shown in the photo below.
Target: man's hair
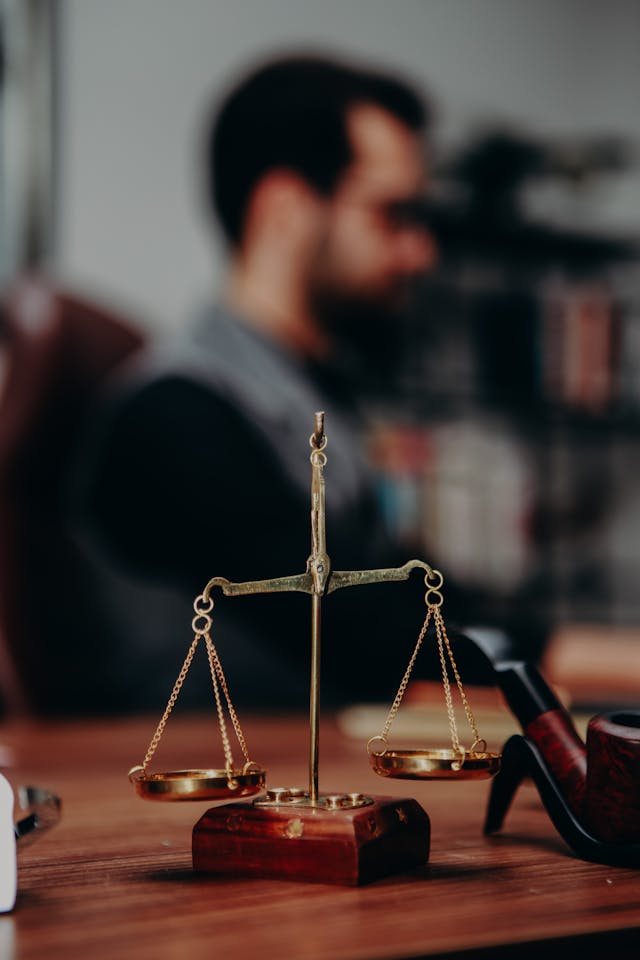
{"x": 291, "y": 113}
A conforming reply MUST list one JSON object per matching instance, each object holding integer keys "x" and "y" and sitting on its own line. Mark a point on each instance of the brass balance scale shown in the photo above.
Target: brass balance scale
{"x": 301, "y": 834}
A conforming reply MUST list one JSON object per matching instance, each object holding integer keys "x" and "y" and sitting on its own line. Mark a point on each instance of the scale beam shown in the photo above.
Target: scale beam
{"x": 356, "y": 578}
{"x": 305, "y": 583}
{"x": 299, "y": 583}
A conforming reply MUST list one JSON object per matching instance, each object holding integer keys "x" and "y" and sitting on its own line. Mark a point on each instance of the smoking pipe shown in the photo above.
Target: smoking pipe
{"x": 592, "y": 792}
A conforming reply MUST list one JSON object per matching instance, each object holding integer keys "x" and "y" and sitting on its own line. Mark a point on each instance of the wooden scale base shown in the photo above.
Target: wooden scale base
{"x": 348, "y": 839}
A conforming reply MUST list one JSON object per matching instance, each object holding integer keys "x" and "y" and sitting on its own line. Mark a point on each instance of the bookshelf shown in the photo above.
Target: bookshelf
{"x": 507, "y": 443}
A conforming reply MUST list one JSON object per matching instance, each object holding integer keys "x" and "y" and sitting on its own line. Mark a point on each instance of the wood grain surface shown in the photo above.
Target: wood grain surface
{"x": 114, "y": 878}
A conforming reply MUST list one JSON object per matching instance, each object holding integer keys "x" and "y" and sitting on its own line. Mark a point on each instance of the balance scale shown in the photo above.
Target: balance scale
{"x": 289, "y": 832}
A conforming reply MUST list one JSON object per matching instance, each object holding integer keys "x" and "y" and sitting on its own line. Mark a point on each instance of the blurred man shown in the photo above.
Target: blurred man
{"x": 315, "y": 171}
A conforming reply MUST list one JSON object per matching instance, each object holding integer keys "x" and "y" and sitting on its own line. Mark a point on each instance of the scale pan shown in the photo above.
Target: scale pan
{"x": 435, "y": 765}
{"x": 198, "y": 784}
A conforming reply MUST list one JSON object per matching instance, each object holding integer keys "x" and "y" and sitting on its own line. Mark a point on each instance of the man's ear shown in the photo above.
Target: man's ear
{"x": 283, "y": 201}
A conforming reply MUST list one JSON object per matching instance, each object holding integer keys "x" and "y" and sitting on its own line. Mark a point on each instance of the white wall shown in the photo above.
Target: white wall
{"x": 137, "y": 75}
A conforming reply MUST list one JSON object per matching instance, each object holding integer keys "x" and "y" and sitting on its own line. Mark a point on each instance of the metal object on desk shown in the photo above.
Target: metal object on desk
{"x": 456, "y": 763}
{"x": 215, "y": 784}
{"x": 41, "y": 809}
{"x": 8, "y": 867}
{"x": 293, "y": 833}
{"x": 205, "y": 784}
{"x": 435, "y": 764}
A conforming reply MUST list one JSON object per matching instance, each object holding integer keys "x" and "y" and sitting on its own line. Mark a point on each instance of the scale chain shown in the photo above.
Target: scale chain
{"x": 434, "y": 600}
{"x": 228, "y": 756}
{"x": 223, "y": 683}
{"x": 441, "y": 630}
{"x": 395, "y": 706}
{"x": 155, "y": 740}
{"x": 455, "y": 741}
{"x": 202, "y": 624}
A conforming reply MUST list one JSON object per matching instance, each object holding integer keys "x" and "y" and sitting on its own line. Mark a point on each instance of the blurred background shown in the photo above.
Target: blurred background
{"x": 506, "y": 432}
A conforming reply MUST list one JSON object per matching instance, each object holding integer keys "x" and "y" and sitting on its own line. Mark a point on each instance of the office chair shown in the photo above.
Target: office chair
{"x": 57, "y": 350}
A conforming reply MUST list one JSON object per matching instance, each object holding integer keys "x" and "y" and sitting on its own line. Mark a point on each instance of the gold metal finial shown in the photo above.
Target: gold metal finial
{"x": 318, "y": 438}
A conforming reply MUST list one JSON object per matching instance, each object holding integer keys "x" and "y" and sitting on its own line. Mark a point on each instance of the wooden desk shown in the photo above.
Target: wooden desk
{"x": 114, "y": 879}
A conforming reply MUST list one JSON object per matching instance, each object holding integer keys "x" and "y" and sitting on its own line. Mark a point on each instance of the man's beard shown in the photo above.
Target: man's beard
{"x": 366, "y": 333}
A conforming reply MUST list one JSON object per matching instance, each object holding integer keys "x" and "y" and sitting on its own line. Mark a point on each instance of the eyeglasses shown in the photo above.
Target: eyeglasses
{"x": 413, "y": 213}
{"x": 42, "y": 811}
{"x": 409, "y": 213}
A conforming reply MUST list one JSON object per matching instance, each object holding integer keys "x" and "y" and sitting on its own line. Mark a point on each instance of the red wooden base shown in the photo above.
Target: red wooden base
{"x": 348, "y": 846}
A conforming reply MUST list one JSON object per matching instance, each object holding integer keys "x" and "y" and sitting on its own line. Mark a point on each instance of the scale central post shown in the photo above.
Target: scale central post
{"x": 320, "y": 566}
